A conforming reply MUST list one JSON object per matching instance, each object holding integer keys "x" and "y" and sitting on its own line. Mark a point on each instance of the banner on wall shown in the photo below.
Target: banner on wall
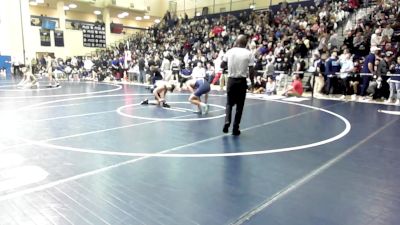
{"x": 59, "y": 38}
{"x": 94, "y": 35}
{"x": 45, "y": 38}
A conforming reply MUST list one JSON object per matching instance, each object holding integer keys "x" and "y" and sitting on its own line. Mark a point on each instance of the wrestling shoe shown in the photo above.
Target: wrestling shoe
{"x": 206, "y": 109}
{"x": 145, "y": 102}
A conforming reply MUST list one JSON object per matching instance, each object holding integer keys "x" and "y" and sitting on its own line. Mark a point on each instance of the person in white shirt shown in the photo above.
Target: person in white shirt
{"x": 165, "y": 67}
{"x": 210, "y": 72}
{"x": 239, "y": 61}
{"x": 199, "y": 71}
{"x": 270, "y": 87}
{"x": 278, "y": 49}
{"x": 160, "y": 92}
{"x": 388, "y": 31}
{"x": 175, "y": 68}
{"x": 346, "y": 67}
{"x": 88, "y": 66}
{"x": 74, "y": 62}
{"x": 376, "y": 38}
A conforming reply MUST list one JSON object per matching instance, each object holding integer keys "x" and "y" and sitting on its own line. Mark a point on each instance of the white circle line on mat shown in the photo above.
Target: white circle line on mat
{"x": 166, "y": 153}
{"x": 28, "y": 89}
{"x": 117, "y": 87}
{"x": 119, "y": 111}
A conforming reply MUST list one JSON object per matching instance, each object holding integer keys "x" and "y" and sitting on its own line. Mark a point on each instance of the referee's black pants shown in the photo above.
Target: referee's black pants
{"x": 236, "y": 91}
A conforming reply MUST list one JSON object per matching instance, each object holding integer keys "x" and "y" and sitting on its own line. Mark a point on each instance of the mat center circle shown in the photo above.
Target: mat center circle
{"x": 185, "y": 111}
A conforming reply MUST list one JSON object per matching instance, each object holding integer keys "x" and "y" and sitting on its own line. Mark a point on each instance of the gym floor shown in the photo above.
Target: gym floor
{"x": 89, "y": 153}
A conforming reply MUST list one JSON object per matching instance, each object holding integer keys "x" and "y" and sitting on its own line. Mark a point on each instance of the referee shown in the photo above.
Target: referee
{"x": 239, "y": 61}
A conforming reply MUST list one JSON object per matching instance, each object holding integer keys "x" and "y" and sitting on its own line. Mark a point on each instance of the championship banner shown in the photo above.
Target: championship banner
{"x": 59, "y": 38}
{"x": 45, "y": 38}
{"x": 94, "y": 35}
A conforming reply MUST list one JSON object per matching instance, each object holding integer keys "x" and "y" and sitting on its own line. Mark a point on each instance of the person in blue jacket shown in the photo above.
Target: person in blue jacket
{"x": 332, "y": 67}
{"x": 368, "y": 70}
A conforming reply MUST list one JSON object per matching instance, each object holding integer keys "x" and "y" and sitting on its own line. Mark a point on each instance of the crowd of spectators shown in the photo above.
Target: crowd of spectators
{"x": 289, "y": 41}
{"x": 362, "y": 64}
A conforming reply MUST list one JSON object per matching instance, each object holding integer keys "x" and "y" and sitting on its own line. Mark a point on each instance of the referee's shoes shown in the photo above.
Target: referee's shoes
{"x": 235, "y": 131}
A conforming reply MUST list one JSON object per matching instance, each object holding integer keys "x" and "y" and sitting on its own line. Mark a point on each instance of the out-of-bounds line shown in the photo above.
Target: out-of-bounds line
{"x": 390, "y": 112}
{"x": 296, "y": 184}
{"x": 158, "y": 154}
{"x": 203, "y": 155}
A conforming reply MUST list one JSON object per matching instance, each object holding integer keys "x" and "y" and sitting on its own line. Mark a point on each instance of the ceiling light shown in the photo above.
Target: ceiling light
{"x": 73, "y": 6}
{"x": 97, "y": 12}
{"x": 125, "y": 14}
{"x": 32, "y": 3}
{"x": 157, "y": 21}
{"x": 39, "y": 1}
{"x": 198, "y": 14}
{"x": 120, "y": 16}
{"x": 252, "y": 6}
{"x": 66, "y": 8}
{"x": 138, "y": 18}
{"x": 146, "y": 17}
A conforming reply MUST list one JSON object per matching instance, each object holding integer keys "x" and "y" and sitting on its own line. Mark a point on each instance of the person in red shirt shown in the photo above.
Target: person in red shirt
{"x": 217, "y": 30}
{"x": 353, "y": 4}
{"x": 296, "y": 89}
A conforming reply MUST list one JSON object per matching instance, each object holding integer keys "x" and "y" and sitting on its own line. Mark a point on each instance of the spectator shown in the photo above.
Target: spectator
{"x": 319, "y": 65}
{"x": 332, "y": 67}
{"x": 142, "y": 69}
{"x": 270, "y": 88}
{"x": 382, "y": 88}
{"x": 296, "y": 89}
{"x": 388, "y": 31}
{"x": 347, "y": 67}
{"x": 259, "y": 85}
{"x": 199, "y": 71}
{"x": 376, "y": 38}
{"x": 185, "y": 75}
{"x": 394, "y": 83}
{"x": 367, "y": 70}
{"x": 210, "y": 72}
